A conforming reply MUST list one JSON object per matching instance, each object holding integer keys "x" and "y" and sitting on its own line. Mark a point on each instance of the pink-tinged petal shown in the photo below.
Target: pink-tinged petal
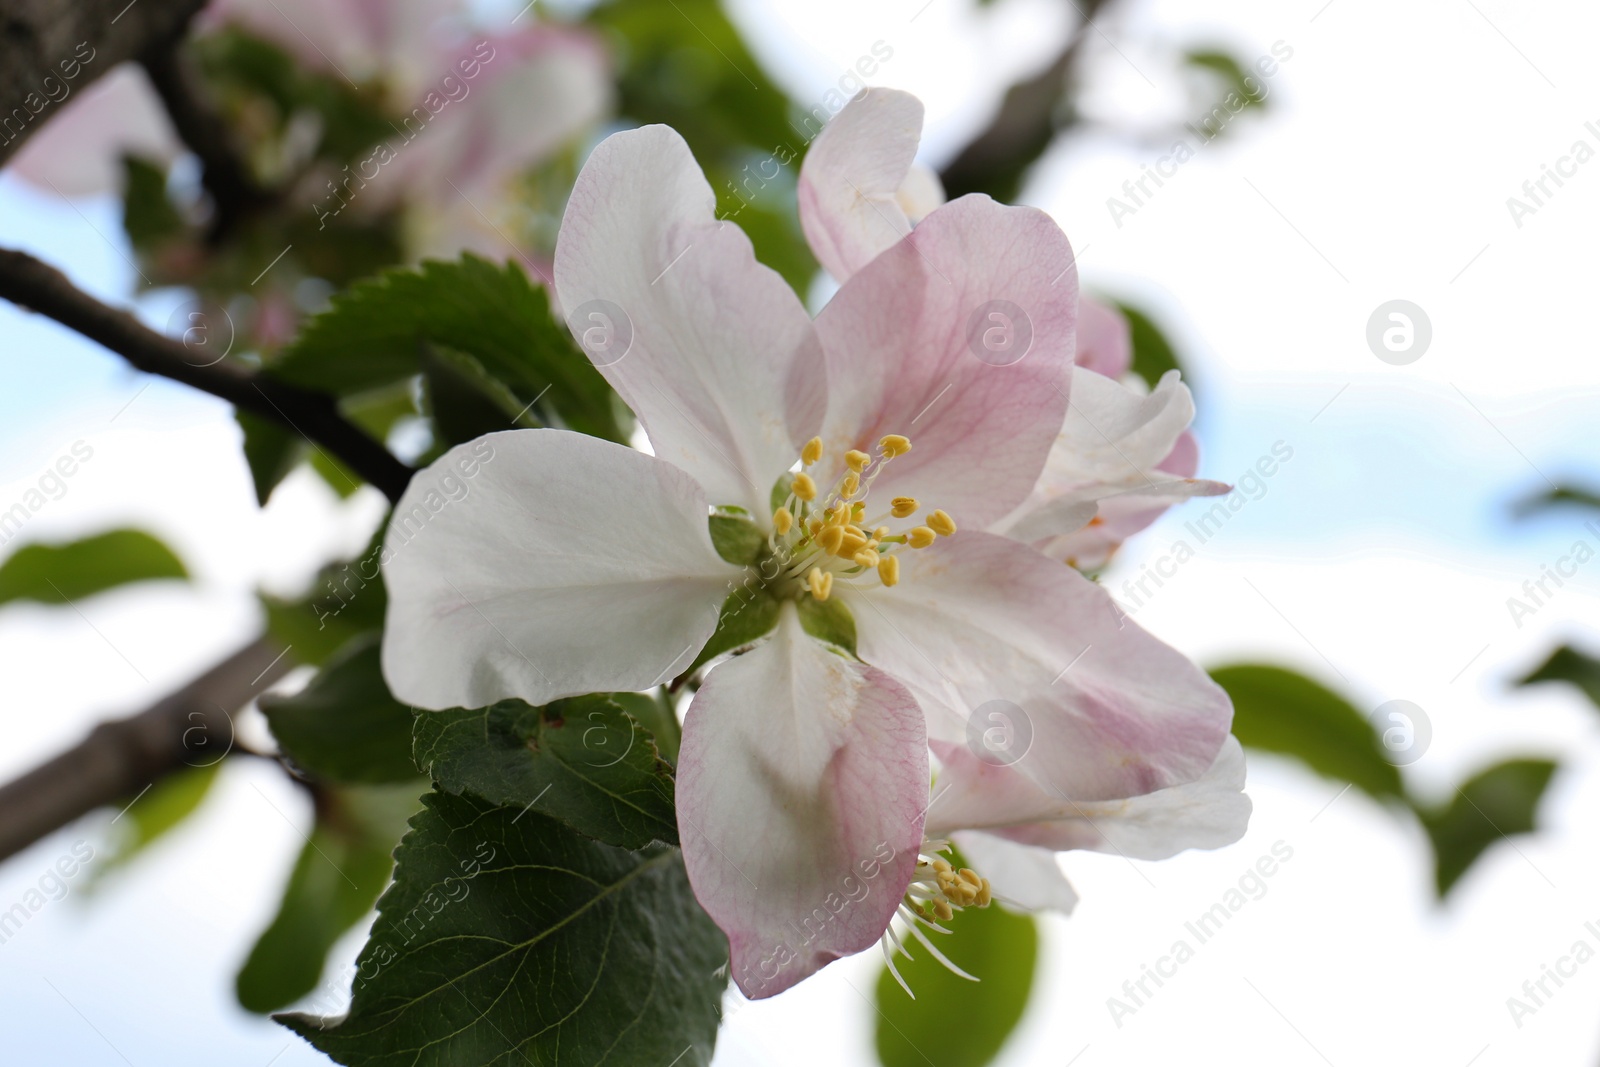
{"x": 1112, "y": 470}
{"x": 711, "y": 349}
{"x": 1111, "y": 711}
{"x": 851, "y": 207}
{"x": 1022, "y": 876}
{"x": 802, "y": 781}
{"x": 960, "y": 337}
{"x": 79, "y": 151}
{"x": 1105, "y": 344}
{"x": 1207, "y": 813}
{"x": 541, "y": 564}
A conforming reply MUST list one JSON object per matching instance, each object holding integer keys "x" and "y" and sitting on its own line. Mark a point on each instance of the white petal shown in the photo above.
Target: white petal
{"x": 711, "y": 349}
{"x": 802, "y": 781}
{"x": 1022, "y": 875}
{"x": 853, "y": 177}
{"x": 541, "y": 564}
{"x": 1210, "y": 812}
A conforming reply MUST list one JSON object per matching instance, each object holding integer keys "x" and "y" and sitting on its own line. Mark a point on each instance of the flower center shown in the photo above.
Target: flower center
{"x": 823, "y": 536}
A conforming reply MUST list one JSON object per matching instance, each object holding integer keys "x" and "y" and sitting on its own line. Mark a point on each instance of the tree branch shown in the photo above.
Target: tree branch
{"x": 1029, "y": 119}
{"x": 47, "y": 39}
{"x": 192, "y": 727}
{"x": 32, "y": 284}
{"x": 235, "y": 194}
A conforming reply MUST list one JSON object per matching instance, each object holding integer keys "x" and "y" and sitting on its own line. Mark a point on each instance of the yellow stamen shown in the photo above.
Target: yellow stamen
{"x": 804, "y": 487}
{"x": 811, "y": 452}
{"x": 856, "y": 460}
{"x": 895, "y": 445}
{"x": 813, "y": 524}
{"x": 943, "y": 911}
{"x": 858, "y": 509}
{"x": 941, "y": 524}
{"x": 849, "y": 544}
{"x": 866, "y": 557}
{"x": 852, "y": 482}
{"x": 782, "y": 521}
{"x": 821, "y": 583}
{"x": 889, "y": 570}
{"x": 880, "y": 533}
{"x": 903, "y": 506}
{"x": 830, "y": 538}
{"x": 920, "y": 537}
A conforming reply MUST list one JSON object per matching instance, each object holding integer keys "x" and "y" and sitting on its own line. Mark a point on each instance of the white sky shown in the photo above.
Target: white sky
{"x": 1381, "y": 172}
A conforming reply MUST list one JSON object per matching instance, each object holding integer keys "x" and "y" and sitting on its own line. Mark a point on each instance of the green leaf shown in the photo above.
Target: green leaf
{"x": 954, "y": 1022}
{"x": 1567, "y": 664}
{"x": 344, "y": 726}
{"x": 147, "y": 215}
{"x": 166, "y": 804}
{"x": 1275, "y": 710}
{"x": 583, "y": 761}
{"x": 337, "y": 878}
{"x": 1561, "y": 494}
{"x": 737, "y": 539}
{"x": 62, "y": 572}
{"x": 828, "y": 620}
{"x": 748, "y": 614}
{"x": 1494, "y": 804}
{"x": 348, "y": 600}
{"x": 1153, "y": 355}
{"x": 272, "y": 450}
{"x": 464, "y": 400}
{"x": 657, "y": 713}
{"x": 508, "y": 939}
{"x": 370, "y": 337}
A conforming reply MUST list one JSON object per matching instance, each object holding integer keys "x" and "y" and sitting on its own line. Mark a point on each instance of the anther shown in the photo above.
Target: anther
{"x": 811, "y": 452}
{"x": 782, "y": 521}
{"x": 920, "y": 537}
{"x": 941, "y": 524}
{"x": 895, "y": 445}
{"x": 857, "y": 460}
{"x": 851, "y": 483}
{"x": 903, "y": 506}
{"x": 804, "y": 487}
{"x": 889, "y": 570}
{"x": 821, "y": 583}
{"x": 866, "y": 557}
{"x": 830, "y": 538}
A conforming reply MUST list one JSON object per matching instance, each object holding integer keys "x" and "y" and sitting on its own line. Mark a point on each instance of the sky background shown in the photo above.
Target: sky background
{"x": 1379, "y": 559}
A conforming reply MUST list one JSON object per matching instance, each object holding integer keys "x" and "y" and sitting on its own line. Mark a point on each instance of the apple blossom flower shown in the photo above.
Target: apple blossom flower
{"x": 851, "y": 465}
{"x": 1121, "y": 458}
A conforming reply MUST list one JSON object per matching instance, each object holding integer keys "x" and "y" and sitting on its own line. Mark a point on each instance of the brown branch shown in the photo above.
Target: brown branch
{"x": 32, "y": 284}
{"x": 192, "y": 727}
{"x": 1029, "y": 119}
{"x": 235, "y": 194}
{"x": 51, "y": 50}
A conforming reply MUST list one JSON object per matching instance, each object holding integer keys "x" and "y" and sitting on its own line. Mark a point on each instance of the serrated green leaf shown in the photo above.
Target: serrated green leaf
{"x": 748, "y": 614}
{"x": 1276, "y": 710}
{"x": 954, "y": 1022}
{"x": 507, "y": 938}
{"x": 1153, "y": 355}
{"x": 335, "y": 881}
{"x": 344, "y": 726}
{"x": 656, "y": 712}
{"x": 464, "y": 400}
{"x": 828, "y": 620}
{"x": 61, "y": 572}
{"x": 737, "y": 539}
{"x": 1490, "y": 806}
{"x": 1567, "y": 664}
{"x": 370, "y": 337}
{"x": 583, "y": 761}
{"x": 271, "y": 450}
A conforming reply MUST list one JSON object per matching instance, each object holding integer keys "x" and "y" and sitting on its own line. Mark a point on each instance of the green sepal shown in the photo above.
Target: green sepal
{"x": 747, "y": 614}
{"x": 830, "y": 621}
{"x": 737, "y": 539}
